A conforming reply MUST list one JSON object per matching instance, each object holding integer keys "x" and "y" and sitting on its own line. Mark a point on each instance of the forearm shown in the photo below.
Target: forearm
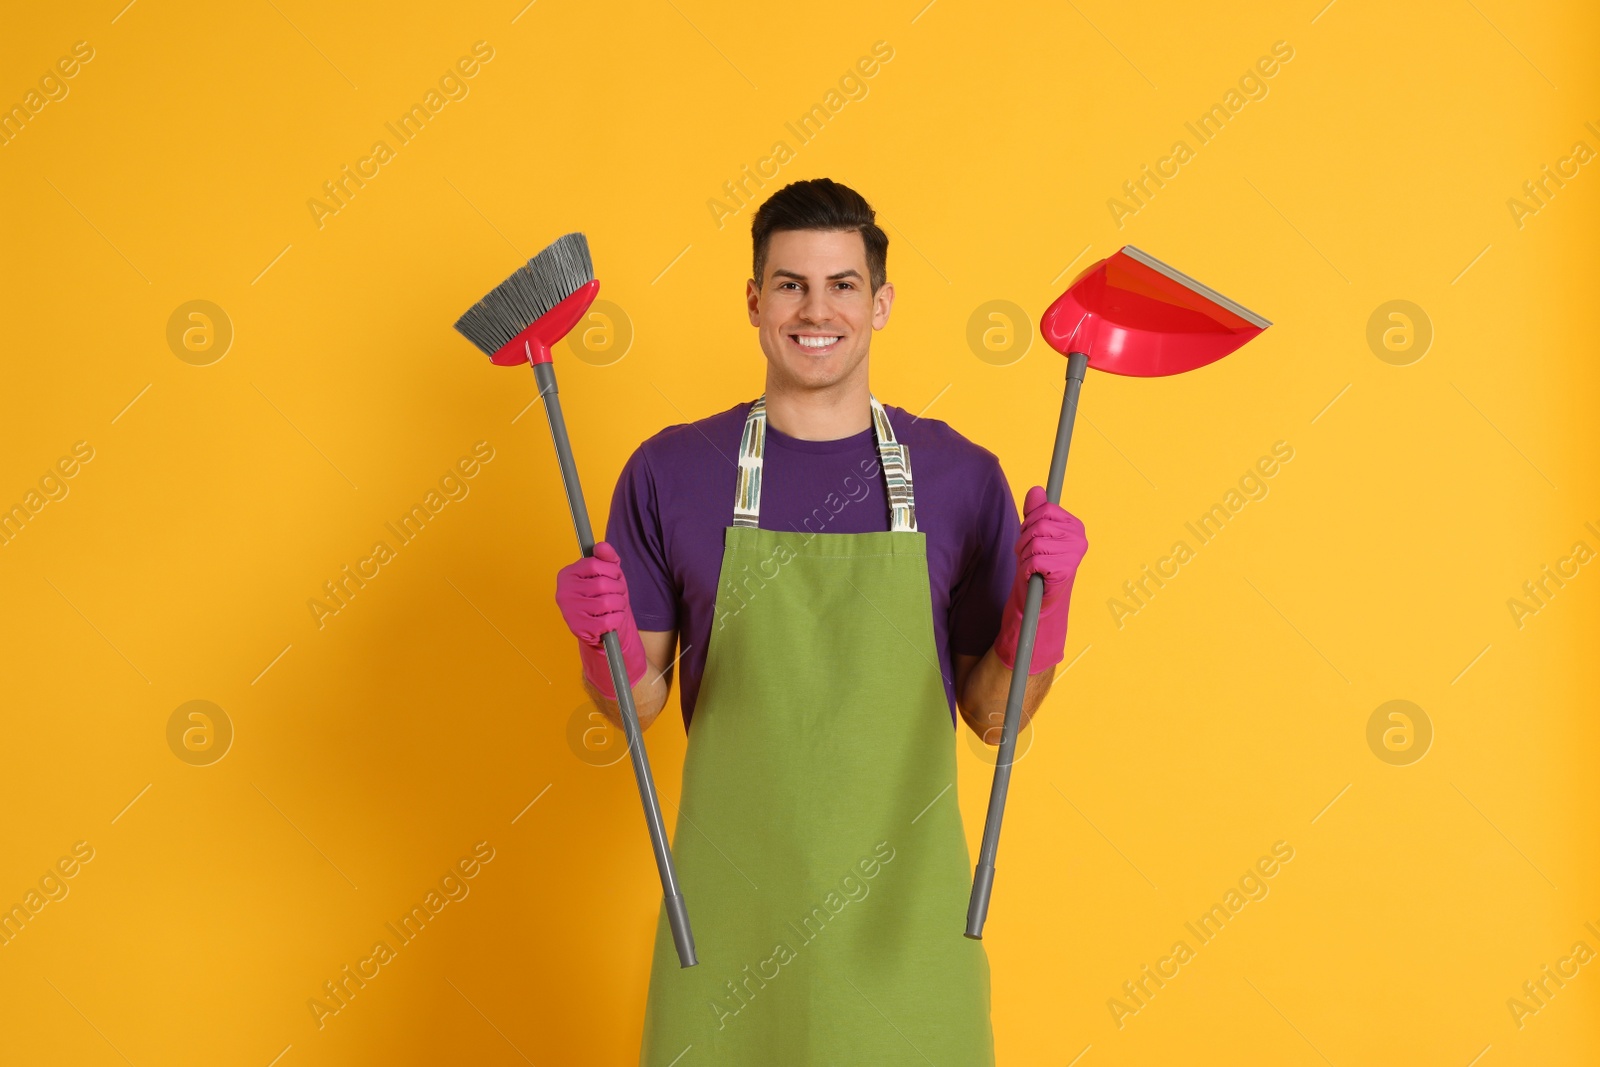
{"x": 982, "y": 701}
{"x": 649, "y": 697}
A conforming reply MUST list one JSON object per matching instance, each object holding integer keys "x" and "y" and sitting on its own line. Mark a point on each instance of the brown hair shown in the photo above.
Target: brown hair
{"x": 820, "y": 204}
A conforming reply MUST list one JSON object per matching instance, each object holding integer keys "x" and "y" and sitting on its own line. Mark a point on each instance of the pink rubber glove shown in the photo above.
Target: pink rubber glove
{"x": 1052, "y": 543}
{"x": 593, "y": 598}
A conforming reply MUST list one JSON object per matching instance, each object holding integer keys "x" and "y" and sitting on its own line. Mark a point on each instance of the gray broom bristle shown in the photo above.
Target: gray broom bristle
{"x": 537, "y": 286}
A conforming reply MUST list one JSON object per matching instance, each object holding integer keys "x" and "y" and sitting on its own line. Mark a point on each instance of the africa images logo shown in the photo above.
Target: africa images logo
{"x": 853, "y": 888}
{"x": 453, "y": 485}
{"x": 337, "y": 992}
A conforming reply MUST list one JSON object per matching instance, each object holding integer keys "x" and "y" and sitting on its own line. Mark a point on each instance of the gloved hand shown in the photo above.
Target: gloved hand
{"x": 593, "y": 598}
{"x": 1052, "y": 543}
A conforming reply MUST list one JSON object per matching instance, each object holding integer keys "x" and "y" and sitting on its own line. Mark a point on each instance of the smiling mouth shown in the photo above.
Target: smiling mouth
{"x": 816, "y": 344}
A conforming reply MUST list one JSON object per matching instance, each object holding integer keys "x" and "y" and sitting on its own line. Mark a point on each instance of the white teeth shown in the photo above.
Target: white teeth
{"x": 816, "y": 342}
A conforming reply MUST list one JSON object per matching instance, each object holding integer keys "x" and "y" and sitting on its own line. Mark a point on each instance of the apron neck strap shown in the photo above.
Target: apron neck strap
{"x": 894, "y": 459}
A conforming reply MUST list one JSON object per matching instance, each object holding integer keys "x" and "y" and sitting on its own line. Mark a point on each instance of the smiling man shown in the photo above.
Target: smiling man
{"x": 844, "y": 578}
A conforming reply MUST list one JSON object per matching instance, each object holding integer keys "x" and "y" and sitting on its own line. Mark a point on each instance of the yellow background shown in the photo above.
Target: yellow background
{"x": 1228, "y": 714}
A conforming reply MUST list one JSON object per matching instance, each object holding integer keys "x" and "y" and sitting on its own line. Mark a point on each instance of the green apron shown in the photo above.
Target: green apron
{"x": 819, "y": 844}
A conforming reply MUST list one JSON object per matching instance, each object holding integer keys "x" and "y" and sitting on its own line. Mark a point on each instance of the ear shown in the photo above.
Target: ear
{"x": 752, "y": 299}
{"x": 882, "y": 301}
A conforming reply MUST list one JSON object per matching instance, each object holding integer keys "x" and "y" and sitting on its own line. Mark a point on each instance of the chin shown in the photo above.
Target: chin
{"x": 818, "y": 377}
{"x": 817, "y": 373}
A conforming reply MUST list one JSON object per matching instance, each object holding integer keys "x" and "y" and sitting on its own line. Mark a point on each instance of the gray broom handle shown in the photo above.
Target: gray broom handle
{"x": 983, "y": 876}
{"x": 677, "y": 914}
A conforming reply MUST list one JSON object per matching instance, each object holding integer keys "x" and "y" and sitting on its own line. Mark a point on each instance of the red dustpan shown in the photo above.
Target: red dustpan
{"x": 1127, "y": 314}
{"x": 1132, "y": 314}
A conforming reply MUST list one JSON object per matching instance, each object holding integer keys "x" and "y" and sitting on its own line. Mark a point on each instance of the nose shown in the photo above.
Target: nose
{"x": 814, "y": 308}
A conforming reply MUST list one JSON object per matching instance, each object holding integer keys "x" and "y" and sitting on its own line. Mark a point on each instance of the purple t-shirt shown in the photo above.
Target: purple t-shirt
{"x": 674, "y": 499}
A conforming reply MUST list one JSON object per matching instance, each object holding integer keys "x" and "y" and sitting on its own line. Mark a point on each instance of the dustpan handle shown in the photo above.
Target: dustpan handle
{"x": 983, "y": 875}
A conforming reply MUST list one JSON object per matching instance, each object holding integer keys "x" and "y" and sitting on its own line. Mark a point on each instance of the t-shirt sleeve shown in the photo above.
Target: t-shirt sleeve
{"x": 633, "y": 528}
{"x": 980, "y": 596}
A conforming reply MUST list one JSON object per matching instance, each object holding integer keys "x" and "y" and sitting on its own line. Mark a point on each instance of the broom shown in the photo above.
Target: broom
{"x": 519, "y": 321}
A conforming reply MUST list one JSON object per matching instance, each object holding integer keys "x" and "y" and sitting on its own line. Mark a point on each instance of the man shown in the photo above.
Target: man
{"x": 842, "y": 576}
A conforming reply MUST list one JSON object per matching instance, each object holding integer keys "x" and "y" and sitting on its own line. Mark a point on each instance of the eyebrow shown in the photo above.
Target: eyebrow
{"x": 851, "y": 273}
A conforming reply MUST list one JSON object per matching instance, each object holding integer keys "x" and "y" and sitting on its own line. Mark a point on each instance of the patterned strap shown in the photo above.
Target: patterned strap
{"x": 893, "y": 458}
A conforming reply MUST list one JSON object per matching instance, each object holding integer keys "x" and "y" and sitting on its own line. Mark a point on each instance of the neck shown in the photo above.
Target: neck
{"x": 826, "y": 414}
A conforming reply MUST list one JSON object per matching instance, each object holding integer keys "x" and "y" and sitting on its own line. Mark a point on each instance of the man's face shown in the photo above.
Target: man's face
{"x": 815, "y": 309}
